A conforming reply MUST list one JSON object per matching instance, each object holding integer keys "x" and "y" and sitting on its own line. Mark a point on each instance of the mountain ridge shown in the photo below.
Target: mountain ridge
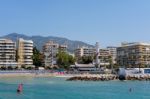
{"x": 40, "y": 40}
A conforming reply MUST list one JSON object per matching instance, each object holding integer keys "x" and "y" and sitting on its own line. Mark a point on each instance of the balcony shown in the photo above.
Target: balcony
{"x": 28, "y": 54}
{"x": 28, "y": 44}
{"x": 28, "y": 51}
{"x": 28, "y": 47}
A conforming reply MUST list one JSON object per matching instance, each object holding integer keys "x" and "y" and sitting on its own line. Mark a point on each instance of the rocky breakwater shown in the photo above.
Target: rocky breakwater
{"x": 93, "y": 78}
{"x": 138, "y": 77}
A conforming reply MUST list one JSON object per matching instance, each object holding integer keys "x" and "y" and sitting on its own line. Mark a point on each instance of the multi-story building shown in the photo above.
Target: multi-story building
{"x": 113, "y": 52}
{"x": 50, "y": 50}
{"x": 63, "y": 48}
{"x": 84, "y": 51}
{"x": 104, "y": 57}
{"x": 25, "y": 52}
{"x": 7, "y": 53}
{"x": 134, "y": 55}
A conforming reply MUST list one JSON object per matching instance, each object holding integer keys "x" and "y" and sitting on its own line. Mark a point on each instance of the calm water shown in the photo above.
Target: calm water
{"x": 58, "y": 88}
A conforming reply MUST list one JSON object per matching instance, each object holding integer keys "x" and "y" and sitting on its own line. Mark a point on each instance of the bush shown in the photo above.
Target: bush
{"x": 9, "y": 68}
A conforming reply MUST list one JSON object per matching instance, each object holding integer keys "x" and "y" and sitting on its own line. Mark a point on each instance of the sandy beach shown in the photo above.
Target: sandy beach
{"x": 47, "y": 74}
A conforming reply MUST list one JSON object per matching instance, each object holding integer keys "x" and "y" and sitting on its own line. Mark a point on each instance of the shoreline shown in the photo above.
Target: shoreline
{"x": 77, "y": 77}
{"x": 34, "y": 75}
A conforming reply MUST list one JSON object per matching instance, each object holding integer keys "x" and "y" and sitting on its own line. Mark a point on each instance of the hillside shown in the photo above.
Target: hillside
{"x": 40, "y": 40}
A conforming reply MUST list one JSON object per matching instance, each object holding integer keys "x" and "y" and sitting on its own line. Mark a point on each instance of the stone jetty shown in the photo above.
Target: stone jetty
{"x": 93, "y": 78}
{"x": 138, "y": 77}
{"x": 105, "y": 77}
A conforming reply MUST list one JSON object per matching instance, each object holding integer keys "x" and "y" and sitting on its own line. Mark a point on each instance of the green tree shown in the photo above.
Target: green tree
{"x": 110, "y": 62}
{"x": 37, "y": 57}
{"x": 9, "y": 68}
{"x": 3, "y": 68}
{"x": 87, "y": 59}
{"x": 64, "y": 60}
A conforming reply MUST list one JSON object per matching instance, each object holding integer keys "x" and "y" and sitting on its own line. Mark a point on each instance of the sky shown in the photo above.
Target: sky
{"x": 108, "y": 22}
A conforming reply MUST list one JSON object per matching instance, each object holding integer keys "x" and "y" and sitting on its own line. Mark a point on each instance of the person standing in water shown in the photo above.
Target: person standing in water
{"x": 130, "y": 89}
{"x": 20, "y": 88}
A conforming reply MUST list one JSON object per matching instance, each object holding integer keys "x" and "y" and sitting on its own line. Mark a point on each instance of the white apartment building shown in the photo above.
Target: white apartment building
{"x": 25, "y": 52}
{"x": 104, "y": 57}
{"x": 133, "y": 55}
{"x": 7, "y": 53}
{"x": 50, "y": 50}
{"x": 84, "y": 51}
{"x": 113, "y": 52}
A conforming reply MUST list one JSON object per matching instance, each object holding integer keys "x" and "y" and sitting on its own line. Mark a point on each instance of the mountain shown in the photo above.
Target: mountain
{"x": 40, "y": 40}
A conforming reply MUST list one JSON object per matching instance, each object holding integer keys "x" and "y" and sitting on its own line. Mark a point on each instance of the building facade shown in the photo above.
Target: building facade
{"x": 104, "y": 57}
{"x": 50, "y": 50}
{"x": 7, "y": 53}
{"x": 63, "y": 48}
{"x": 133, "y": 55}
{"x": 113, "y": 52}
{"x": 25, "y": 52}
{"x": 84, "y": 51}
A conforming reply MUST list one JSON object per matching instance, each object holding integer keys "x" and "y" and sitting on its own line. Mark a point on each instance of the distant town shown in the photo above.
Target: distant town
{"x": 22, "y": 54}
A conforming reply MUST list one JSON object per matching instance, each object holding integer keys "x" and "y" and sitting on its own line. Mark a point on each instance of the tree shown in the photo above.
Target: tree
{"x": 3, "y": 68}
{"x": 110, "y": 62}
{"x": 37, "y": 57}
{"x": 23, "y": 66}
{"x": 64, "y": 60}
{"x": 87, "y": 59}
{"x": 29, "y": 68}
{"x": 17, "y": 56}
{"x": 9, "y": 68}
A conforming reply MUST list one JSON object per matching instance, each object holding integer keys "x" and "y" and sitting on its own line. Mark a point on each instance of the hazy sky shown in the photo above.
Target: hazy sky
{"x": 106, "y": 21}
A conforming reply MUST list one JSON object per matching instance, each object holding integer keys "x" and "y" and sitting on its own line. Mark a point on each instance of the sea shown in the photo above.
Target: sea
{"x": 59, "y": 88}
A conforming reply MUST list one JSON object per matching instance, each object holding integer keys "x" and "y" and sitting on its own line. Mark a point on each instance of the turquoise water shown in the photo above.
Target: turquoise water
{"x": 58, "y": 88}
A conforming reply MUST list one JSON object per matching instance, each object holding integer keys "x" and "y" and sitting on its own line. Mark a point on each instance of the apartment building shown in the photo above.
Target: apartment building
{"x": 7, "y": 53}
{"x": 50, "y": 50}
{"x": 134, "y": 55}
{"x": 104, "y": 57}
{"x": 84, "y": 51}
{"x": 63, "y": 48}
{"x": 113, "y": 52}
{"x": 25, "y": 52}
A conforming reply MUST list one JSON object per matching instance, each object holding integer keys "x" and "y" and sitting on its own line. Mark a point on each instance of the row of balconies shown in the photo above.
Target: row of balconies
{"x": 8, "y": 47}
{"x": 25, "y": 51}
{"x": 7, "y": 51}
{"x": 7, "y": 44}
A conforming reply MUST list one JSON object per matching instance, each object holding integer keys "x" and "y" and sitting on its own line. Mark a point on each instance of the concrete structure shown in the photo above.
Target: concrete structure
{"x": 104, "y": 57}
{"x": 84, "y": 67}
{"x": 63, "y": 48}
{"x": 113, "y": 52}
{"x": 25, "y": 52}
{"x": 97, "y": 61}
{"x": 84, "y": 51}
{"x": 134, "y": 55}
{"x": 50, "y": 50}
{"x": 7, "y": 53}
